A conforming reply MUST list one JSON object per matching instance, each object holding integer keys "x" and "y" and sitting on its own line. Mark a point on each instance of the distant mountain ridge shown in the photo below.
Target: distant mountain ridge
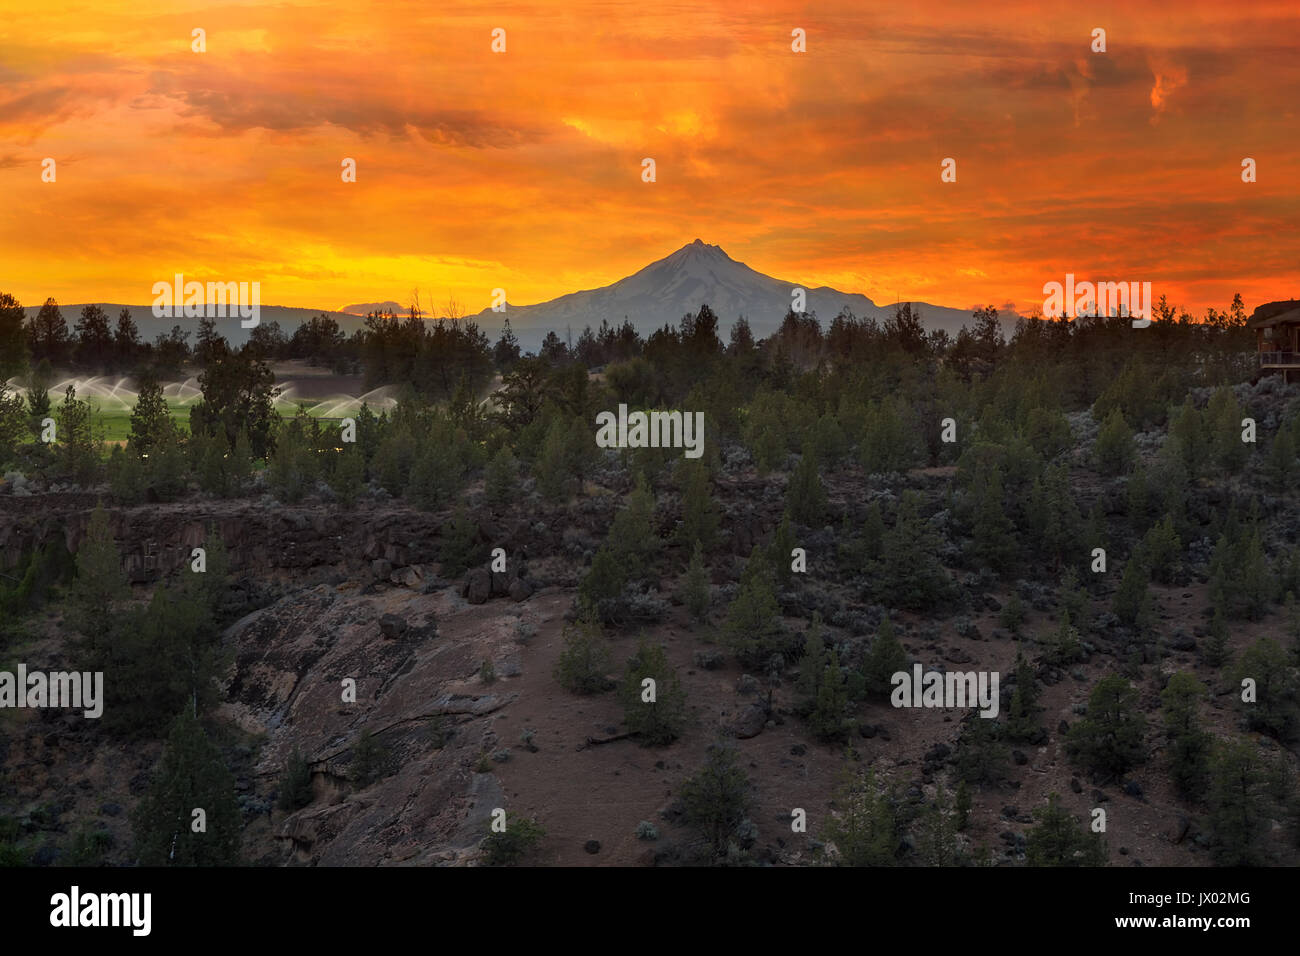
{"x": 659, "y": 294}
{"x": 696, "y": 274}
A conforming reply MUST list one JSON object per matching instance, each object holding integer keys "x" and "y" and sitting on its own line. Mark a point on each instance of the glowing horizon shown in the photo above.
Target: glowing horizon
{"x": 522, "y": 170}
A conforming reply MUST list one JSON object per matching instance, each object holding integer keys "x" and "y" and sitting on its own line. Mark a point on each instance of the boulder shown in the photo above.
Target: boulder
{"x": 751, "y": 721}
{"x": 477, "y": 587}
{"x": 392, "y": 626}
{"x": 520, "y": 590}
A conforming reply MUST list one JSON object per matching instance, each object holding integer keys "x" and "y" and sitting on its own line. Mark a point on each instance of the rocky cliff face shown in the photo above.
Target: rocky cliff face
{"x": 417, "y": 664}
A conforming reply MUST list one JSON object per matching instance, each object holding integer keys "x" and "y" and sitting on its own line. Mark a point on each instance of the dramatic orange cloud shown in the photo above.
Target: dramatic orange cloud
{"x": 522, "y": 169}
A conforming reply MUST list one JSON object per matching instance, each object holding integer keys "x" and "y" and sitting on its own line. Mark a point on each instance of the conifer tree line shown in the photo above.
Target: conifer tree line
{"x": 1069, "y": 437}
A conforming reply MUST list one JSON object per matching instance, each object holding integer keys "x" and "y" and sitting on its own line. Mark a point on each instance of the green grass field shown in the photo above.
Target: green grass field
{"x": 116, "y": 423}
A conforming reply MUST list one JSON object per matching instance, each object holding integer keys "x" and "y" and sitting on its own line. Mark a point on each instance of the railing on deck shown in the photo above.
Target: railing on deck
{"x": 1272, "y": 359}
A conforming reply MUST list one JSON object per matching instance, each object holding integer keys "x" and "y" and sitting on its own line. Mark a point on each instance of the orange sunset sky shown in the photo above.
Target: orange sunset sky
{"x": 523, "y": 170}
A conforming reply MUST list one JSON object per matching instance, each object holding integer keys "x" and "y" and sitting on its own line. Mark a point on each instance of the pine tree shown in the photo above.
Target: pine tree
{"x": 963, "y": 804}
{"x": 191, "y": 776}
{"x": 864, "y": 829}
{"x": 461, "y": 548}
{"x": 805, "y": 497}
{"x": 811, "y": 665}
{"x": 78, "y": 442}
{"x": 1255, "y": 587}
{"x": 1114, "y": 450}
{"x": 699, "y": 515}
{"x": 753, "y": 626}
{"x": 1282, "y": 460}
{"x": 150, "y": 420}
{"x": 1060, "y": 840}
{"x": 1109, "y": 740}
{"x": 909, "y": 574}
{"x": 632, "y": 538}
{"x": 885, "y": 658}
{"x": 348, "y": 478}
{"x": 1216, "y": 652}
{"x": 1161, "y": 550}
{"x": 1022, "y": 722}
{"x": 241, "y": 461}
{"x": 1238, "y": 802}
{"x": 994, "y": 544}
{"x": 779, "y": 554}
{"x": 696, "y": 586}
{"x": 873, "y": 532}
{"x": 829, "y": 718}
{"x": 662, "y": 719}
{"x": 126, "y": 476}
{"x": 1189, "y": 743}
{"x": 553, "y": 478}
{"x": 1224, "y": 414}
{"x": 1275, "y": 710}
{"x": 100, "y": 583}
{"x": 1133, "y": 603}
{"x": 501, "y": 479}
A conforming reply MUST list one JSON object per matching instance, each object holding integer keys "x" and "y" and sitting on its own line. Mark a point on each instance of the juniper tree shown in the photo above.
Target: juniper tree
{"x": 584, "y": 658}
{"x": 716, "y": 799}
{"x": 981, "y": 756}
{"x": 1063, "y": 648}
{"x": 519, "y": 837}
{"x": 295, "y": 789}
{"x": 603, "y": 583}
{"x": 1109, "y": 739}
{"x": 1060, "y": 840}
{"x": 655, "y": 711}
